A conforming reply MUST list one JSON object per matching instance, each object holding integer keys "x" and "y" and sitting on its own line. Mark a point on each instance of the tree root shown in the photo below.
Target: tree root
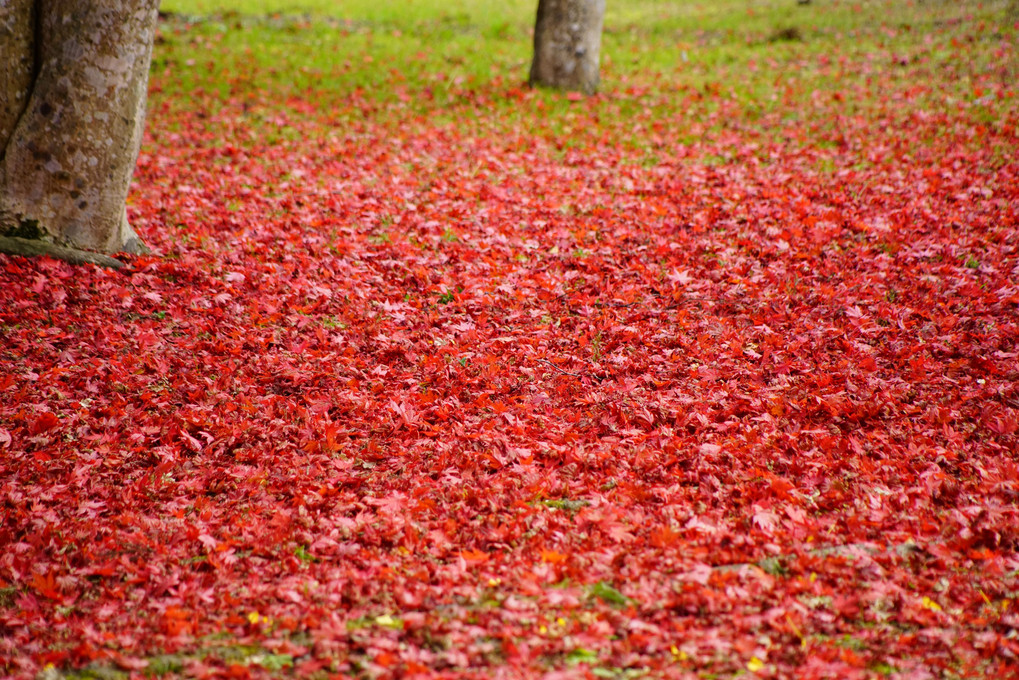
{"x": 34, "y": 248}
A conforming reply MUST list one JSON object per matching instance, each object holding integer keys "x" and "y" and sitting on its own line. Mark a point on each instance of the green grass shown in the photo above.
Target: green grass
{"x": 770, "y": 65}
{"x": 325, "y": 46}
{"x": 395, "y": 14}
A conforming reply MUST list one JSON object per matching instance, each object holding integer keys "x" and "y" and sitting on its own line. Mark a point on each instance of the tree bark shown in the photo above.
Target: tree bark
{"x": 17, "y": 53}
{"x": 567, "y": 42}
{"x": 72, "y": 111}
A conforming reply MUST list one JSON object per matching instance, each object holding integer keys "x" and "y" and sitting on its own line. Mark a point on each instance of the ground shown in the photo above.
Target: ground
{"x": 713, "y": 374}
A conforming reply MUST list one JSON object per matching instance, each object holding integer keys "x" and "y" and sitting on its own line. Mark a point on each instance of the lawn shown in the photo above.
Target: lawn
{"x": 713, "y": 374}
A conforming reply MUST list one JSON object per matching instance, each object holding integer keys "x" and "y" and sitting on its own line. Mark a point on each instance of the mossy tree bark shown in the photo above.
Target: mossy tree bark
{"x": 567, "y": 43}
{"x": 72, "y": 111}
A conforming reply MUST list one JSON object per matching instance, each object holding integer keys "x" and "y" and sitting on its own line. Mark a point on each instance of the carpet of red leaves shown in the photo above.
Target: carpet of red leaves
{"x": 465, "y": 401}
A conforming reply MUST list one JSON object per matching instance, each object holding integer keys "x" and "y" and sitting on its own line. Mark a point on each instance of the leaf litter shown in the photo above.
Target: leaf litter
{"x": 441, "y": 399}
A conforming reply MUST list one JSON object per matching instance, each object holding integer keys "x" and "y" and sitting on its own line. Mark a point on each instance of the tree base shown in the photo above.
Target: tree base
{"x": 32, "y": 248}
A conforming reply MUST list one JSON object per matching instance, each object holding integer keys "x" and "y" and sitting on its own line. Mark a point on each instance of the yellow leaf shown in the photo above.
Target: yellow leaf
{"x": 253, "y": 617}
{"x": 754, "y": 664}
{"x": 928, "y": 603}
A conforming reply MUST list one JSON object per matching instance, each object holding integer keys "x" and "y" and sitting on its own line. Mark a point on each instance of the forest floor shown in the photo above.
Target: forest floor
{"x": 713, "y": 374}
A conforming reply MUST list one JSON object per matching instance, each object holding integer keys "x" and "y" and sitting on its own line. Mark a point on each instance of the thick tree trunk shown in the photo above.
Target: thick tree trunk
{"x": 17, "y": 54}
{"x": 72, "y": 111}
{"x": 567, "y": 41}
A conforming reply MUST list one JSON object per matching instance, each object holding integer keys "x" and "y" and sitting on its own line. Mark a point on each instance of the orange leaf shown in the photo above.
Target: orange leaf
{"x": 474, "y": 556}
{"x": 45, "y": 586}
{"x": 552, "y": 557}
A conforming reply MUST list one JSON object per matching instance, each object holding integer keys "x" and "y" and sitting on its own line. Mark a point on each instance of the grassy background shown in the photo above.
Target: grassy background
{"x": 770, "y": 64}
{"x": 290, "y": 46}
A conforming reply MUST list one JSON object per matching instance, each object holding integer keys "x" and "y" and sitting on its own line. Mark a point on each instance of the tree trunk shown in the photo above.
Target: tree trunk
{"x": 72, "y": 111}
{"x": 567, "y": 41}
